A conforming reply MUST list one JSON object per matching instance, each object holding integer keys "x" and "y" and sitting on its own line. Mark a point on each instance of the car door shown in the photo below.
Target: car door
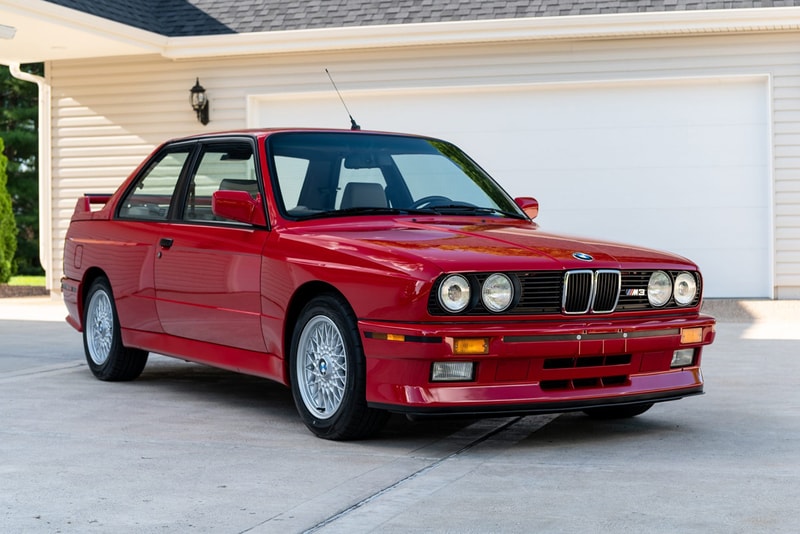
{"x": 207, "y": 269}
{"x": 141, "y": 217}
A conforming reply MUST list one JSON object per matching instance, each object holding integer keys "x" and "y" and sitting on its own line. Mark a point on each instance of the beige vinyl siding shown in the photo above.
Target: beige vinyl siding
{"x": 786, "y": 106}
{"x": 110, "y": 113}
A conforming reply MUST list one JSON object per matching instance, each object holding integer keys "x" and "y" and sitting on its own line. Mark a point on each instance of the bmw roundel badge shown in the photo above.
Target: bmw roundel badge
{"x": 582, "y": 256}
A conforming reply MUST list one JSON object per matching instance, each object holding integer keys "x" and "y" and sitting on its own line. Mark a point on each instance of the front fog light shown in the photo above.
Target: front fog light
{"x": 452, "y": 372}
{"x": 682, "y": 358}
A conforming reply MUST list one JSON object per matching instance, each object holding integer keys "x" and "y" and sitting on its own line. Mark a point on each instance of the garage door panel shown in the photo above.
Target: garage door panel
{"x": 729, "y": 145}
{"x": 689, "y": 188}
{"x": 640, "y": 147}
{"x": 644, "y": 103}
{"x": 724, "y": 253}
{"x": 736, "y": 273}
{"x": 729, "y": 228}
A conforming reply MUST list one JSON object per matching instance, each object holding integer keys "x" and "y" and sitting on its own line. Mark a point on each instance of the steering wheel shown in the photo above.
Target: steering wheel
{"x": 428, "y": 201}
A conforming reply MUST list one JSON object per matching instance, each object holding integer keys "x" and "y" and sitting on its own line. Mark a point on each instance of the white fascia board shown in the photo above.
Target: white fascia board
{"x": 622, "y": 25}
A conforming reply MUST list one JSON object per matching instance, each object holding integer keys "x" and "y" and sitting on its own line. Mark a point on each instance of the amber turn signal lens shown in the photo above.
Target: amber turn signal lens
{"x": 388, "y": 337}
{"x": 465, "y": 345}
{"x": 691, "y": 335}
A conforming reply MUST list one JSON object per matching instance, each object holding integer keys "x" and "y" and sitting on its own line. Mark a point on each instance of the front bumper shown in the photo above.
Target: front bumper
{"x": 533, "y": 367}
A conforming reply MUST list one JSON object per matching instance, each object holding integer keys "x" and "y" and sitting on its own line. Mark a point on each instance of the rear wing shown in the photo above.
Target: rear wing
{"x": 83, "y": 207}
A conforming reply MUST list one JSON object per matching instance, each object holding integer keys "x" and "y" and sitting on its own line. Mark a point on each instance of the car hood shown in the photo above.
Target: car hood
{"x": 456, "y": 245}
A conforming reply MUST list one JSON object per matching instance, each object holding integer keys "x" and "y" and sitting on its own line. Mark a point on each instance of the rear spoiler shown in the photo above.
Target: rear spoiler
{"x": 83, "y": 207}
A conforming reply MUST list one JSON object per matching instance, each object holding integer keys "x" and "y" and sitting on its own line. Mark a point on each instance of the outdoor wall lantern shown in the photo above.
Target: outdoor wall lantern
{"x": 200, "y": 102}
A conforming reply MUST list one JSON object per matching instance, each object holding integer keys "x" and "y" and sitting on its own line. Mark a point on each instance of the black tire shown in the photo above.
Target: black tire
{"x": 328, "y": 372}
{"x": 108, "y": 359}
{"x": 618, "y": 412}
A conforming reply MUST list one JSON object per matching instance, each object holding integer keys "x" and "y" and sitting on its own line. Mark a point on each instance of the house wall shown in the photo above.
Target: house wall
{"x": 109, "y": 113}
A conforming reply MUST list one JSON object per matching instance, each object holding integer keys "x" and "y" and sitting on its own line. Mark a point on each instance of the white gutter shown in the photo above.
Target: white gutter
{"x": 45, "y": 173}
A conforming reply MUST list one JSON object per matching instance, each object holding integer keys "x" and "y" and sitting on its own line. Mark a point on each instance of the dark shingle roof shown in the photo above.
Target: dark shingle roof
{"x": 209, "y": 17}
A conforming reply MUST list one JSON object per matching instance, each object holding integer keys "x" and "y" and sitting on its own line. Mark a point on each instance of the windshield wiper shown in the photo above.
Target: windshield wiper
{"x": 451, "y": 209}
{"x": 475, "y": 210}
{"x": 364, "y": 210}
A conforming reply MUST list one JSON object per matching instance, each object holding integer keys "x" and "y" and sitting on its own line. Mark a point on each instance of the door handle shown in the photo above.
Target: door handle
{"x": 166, "y": 242}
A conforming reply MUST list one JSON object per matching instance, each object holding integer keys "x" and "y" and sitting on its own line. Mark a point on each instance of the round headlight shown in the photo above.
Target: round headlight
{"x": 497, "y": 292}
{"x": 685, "y": 289}
{"x": 659, "y": 289}
{"x": 454, "y": 293}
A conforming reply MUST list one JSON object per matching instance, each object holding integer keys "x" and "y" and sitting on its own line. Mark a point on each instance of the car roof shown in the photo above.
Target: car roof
{"x": 261, "y": 133}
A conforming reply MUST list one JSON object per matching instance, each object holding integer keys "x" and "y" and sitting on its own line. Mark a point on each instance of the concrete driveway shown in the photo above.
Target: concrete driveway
{"x": 187, "y": 448}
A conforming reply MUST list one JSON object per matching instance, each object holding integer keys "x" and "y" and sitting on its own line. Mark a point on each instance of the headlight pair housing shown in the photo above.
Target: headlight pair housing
{"x": 496, "y": 293}
{"x": 661, "y": 288}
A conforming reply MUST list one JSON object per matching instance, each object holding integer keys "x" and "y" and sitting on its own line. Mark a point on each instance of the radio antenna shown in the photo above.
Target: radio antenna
{"x": 353, "y": 124}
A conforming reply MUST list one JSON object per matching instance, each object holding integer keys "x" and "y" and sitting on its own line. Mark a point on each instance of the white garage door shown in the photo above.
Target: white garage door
{"x": 675, "y": 165}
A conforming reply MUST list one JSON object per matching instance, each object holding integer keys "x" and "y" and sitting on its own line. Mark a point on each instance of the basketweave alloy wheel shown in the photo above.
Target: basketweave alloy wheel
{"x": 321, "y": 367}
{"x": 99, "y": 327}
{"x": 328, "y": 372}
{"x": 108, "y": 359}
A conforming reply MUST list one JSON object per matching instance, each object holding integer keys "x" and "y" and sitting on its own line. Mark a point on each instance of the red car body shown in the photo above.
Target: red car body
{"x": 228, "y": 287}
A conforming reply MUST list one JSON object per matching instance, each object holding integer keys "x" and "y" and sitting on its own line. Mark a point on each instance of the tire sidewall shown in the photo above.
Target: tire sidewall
{"x": 354, "y": 395}
{"x": 102, "y": 371}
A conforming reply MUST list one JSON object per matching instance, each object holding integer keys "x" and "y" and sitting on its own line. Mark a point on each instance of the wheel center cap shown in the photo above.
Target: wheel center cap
{"x": 323, "y": 366}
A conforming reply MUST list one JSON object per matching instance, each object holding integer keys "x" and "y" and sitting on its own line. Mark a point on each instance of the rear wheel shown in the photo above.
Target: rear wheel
{"x": 328, "y": 372}
{"x": 108, "y": 359}
{"x": 618, "y": 412}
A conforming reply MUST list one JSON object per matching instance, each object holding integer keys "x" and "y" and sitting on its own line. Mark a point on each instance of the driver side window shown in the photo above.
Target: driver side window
{"x": 222, "y": 166}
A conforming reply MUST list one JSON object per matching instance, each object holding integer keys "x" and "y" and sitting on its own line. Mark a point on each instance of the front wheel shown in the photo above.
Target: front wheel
{"x": 328, "y": 372}
{"x": 108, "y": 359}
{"x": 618, "y": 412}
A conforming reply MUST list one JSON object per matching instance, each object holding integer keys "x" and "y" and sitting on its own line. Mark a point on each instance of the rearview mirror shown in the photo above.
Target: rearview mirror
{"x": 238, "y": 206}
{"x": 529, "y": 205}
{"x": 367, "y": 160}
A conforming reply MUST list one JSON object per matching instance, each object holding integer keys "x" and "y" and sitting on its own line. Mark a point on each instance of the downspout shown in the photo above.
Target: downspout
{"x": 45, "y": 172}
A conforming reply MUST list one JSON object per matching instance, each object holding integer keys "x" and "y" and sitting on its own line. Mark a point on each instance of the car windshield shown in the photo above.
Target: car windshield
{"x": 329, "y": 174}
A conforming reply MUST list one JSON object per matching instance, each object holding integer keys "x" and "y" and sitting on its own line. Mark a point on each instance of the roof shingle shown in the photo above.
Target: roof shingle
{"x": 176, "y": 18}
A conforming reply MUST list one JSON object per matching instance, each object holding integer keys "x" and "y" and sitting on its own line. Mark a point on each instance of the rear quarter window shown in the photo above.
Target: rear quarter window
{"x": 151, "y": 196}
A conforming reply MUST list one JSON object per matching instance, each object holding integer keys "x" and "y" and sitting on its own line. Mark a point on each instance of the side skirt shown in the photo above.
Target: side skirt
{"x": 229, "y": 358}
